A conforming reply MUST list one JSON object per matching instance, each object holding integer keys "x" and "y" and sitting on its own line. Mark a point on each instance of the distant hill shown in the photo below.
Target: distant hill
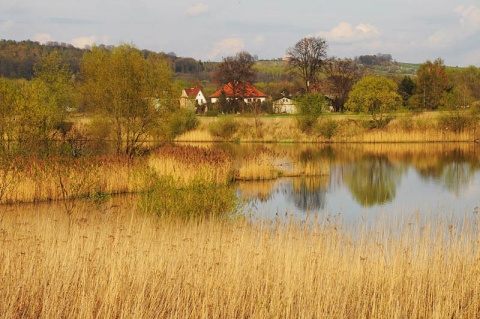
{"x": 17, "y": 59}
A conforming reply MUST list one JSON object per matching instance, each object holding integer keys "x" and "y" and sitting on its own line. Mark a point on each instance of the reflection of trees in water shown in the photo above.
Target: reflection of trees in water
{"x": 455, "y": 169}
{"x": 457, "y": 176}
{"x": 308, "y": 194}
{"x": 372, "y": 180}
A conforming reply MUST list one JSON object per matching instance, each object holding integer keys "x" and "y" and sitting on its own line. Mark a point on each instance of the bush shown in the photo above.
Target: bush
{"x": 224, "y": 128}
{"x": 177, "y": 123}
{"x": 456, "y": 121}
{"x": 199, "y": 199}
{"x": 310, "y": 107}
{"x": 211, "y": 113}
{"x": 327, "y": 128}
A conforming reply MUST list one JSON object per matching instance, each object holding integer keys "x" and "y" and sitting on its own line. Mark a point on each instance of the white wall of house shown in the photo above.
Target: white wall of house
{"x": 284, "y": 105}
{"x": 200, "y": 98}
{"x": 187, "y": 102}
{"x": 246, "y": 100}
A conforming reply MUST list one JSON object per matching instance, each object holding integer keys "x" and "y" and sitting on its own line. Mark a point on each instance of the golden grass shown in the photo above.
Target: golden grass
{"x": 188, "y": 163}
{"x": 115, "y": 263}
{"x": 52, "y": 178}
{"x": 265, "y": 163}
{"x": 405, "y": 129}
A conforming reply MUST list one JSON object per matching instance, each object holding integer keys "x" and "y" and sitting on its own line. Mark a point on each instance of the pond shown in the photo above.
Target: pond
{"x": 365, "y": 181}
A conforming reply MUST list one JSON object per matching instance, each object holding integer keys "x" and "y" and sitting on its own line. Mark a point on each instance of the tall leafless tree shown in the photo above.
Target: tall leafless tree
{"x": 306, "y": 59}
{"x": 236, "y": 70}
{"x": 340, "y": 76}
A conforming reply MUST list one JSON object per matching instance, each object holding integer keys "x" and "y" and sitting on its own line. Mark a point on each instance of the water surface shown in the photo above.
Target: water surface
{"x": 369, "y": 181}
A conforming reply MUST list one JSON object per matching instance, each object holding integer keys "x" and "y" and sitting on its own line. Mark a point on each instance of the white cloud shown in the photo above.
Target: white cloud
{"x": 226, "y": 47}
{"x": 197, "y": 9}
{"x": 344, "y": 32}
{"x": 468, "y": 25}
{"x": 470, "y": 18}
{"x": 6, "y": 25}
{"x": 42, "y": 37}
{"x": 259, "y": 40}
{"x": 82, "y": 42}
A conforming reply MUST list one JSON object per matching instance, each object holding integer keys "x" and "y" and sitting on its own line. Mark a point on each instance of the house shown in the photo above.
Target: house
{"x": 247, "y": 91}
{"x": 284, "y": 105}
{"x": 192, "y": 98}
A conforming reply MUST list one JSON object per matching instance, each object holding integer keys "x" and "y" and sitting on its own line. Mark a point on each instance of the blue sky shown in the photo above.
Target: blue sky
{"x": 409, "y": 30}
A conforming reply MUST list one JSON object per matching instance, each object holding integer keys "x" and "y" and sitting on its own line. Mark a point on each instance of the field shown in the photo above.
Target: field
{"x": 112, "y": 261}
{"x": 460, "y": 126}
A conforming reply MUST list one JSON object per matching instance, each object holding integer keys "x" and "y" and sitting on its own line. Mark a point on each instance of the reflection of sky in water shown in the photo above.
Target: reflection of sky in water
{"x": 413, "y": 195}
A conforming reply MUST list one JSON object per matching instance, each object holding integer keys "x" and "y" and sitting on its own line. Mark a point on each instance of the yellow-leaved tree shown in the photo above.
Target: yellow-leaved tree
{"x": 374, "y": 95}
{"x": 133, "y": 93}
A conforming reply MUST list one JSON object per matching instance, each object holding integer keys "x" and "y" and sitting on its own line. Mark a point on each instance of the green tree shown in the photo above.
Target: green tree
{"x": 43, "y": 102}
{"x": 374, "y": 95}
{"x": 132, "y": 92}
{"x": 8, "y": 108}
{"x": 432, "y": 84}
{"x": 306, "y": 58}
{"x": 372, "y": 180}
{"x": 406, "y": 89}
{"x": 309, "y": 108}
{"x": 466, "y": 86}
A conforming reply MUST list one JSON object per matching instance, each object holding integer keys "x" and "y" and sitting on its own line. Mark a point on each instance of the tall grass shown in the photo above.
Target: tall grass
{"x": 61, "y": 178}
{"x": 189, "y": 163}
{"x": 116, "y": 263}
{"x": 436, "y": 127}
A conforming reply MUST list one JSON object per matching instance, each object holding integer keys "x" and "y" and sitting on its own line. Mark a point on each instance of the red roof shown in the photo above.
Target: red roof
{"x": 192, "y": 92}
{"x": 247, "y": 91}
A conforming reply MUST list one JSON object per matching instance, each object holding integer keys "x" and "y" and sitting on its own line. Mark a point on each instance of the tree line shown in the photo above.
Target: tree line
{"x": 130, "y": 98}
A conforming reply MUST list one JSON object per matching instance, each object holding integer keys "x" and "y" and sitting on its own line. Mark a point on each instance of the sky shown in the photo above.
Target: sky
{"x": 410, "y": 30}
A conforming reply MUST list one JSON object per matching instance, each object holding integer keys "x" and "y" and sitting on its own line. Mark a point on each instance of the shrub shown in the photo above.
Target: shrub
{"x": 199, "y": 199}
{"x": 211, "y": 113}
{"x": 327, "y": 128}
{"x": 310, "y": 107}
{"x": 224, "y": 128}
{"x": 456, "y": 121}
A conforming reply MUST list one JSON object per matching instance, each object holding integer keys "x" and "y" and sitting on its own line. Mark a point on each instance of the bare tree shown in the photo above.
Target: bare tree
{"x": 340, "y": 76}
{"x": 237, "y": 71}
{"x": 306, "y": 59}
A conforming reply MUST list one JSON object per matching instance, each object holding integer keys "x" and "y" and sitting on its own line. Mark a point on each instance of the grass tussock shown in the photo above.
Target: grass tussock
{"x": 120, "y": 264}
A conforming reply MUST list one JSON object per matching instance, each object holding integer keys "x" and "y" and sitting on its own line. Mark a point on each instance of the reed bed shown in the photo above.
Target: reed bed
{"x": 61, "y": 178}
{"x": 116, "y": 263}
{"x": 188, "y": 163}
{"x": 265, "y": 163}
{"x": 421, "y": 128}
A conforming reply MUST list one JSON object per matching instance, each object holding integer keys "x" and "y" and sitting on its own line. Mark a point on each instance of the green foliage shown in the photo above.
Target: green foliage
{"x": 374, "y": 95}
{"x": 224, "y": 128}
{"x": 132, "y": 91}
{"x": 457, "y": 121}
{"x": 176, "y": 123}
{"x": 431, "y": 86}
{"x": 327, "y": 128}
{"x": 406, "y": 89}
{"x": 310, "y": 107}
{"x": 197, "y": 200}
{"x": 211, "y": 113}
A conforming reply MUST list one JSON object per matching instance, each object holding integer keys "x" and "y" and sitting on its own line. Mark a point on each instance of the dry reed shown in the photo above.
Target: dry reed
{"x": 119, "y": 264}
{"x": 49, "y": 179}
{"x": 188, "y": 163}
{"x": 406, "y": 129}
